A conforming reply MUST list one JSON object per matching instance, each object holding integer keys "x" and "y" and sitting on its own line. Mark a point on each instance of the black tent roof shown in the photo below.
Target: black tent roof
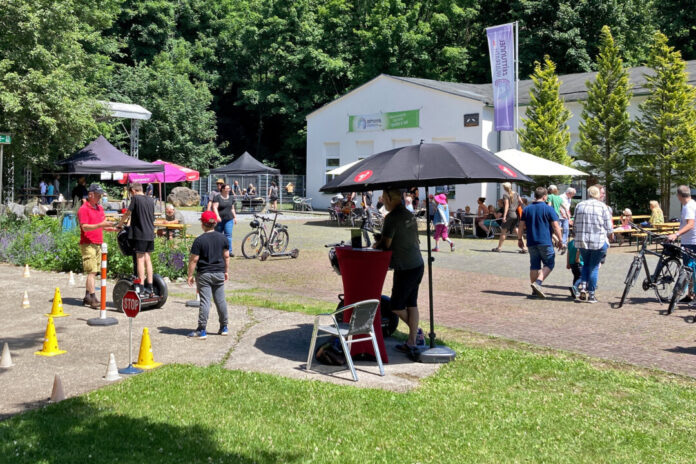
{"x": 245, "y": 165}
{"x": 100, "y": 156}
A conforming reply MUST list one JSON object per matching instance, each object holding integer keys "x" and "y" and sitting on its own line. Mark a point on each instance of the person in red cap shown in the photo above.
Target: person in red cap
{"x": 210, "y": 258}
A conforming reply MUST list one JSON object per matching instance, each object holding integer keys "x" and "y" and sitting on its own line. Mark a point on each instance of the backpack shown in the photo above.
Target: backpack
{"x": 331, "y": 354}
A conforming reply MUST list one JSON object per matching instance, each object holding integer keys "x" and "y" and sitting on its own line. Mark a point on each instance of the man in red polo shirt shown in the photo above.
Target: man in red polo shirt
{"x": 92, "y": 221}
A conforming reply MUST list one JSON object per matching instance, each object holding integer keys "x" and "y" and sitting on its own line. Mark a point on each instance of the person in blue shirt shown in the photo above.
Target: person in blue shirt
{"x": 574, "y": 263}
{"x": 541, "y": 223}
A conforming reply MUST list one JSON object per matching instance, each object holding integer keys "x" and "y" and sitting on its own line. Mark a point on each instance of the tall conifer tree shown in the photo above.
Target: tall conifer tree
{"x": 605, "y": 128}
{"x": 665, "y": 131}
{"x": 545, "y": 132}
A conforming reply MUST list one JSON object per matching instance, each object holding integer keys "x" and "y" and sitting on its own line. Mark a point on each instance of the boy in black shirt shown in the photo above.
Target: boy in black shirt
{"x": 141, "y": 234}
{"x": 210, "y": 258}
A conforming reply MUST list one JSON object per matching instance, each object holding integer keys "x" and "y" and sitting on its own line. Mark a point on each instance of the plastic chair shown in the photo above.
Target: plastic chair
{"x": 361, "y": 323}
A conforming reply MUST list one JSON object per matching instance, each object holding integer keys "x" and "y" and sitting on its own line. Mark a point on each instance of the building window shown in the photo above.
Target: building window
{"x": 332, "y": 154}
{"x": 398, "y": 143}
{"x": 364, "y": 148}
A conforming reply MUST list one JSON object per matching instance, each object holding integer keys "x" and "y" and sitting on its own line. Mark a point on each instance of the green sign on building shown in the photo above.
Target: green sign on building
{"x": 5, "y": 139}
{"x": 384, "y": 121}
{"x": 402, "y": 119}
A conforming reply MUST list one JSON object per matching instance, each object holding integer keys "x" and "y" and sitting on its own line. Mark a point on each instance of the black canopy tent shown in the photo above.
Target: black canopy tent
{"x": 100, "y": 156}
{"x": 247, "y": 165}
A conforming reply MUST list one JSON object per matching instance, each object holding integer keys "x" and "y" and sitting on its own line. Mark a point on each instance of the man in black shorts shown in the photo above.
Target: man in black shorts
{"x": 141, "y": 234}
{"x": 400, "y": 235}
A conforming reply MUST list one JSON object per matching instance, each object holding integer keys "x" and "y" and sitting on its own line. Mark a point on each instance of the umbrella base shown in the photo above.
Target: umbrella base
{"x": 439, "y": 354}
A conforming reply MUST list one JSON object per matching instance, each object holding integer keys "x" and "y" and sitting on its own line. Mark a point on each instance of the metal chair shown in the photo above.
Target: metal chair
{"x": 361, "y": 323}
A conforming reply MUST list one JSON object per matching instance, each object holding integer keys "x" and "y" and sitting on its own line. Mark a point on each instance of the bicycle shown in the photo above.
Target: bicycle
{"x": 259, "y": 238}
{"x": 663, "y": 278}
{"x": 682, "y": 284}
{"x": 302, "y": 204}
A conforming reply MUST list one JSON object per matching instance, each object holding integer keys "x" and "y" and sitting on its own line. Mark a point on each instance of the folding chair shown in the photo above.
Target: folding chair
{"x": 361, "y": 323}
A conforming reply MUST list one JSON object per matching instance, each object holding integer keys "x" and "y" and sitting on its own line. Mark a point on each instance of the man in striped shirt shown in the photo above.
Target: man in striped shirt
{"x": 593, "y": 226}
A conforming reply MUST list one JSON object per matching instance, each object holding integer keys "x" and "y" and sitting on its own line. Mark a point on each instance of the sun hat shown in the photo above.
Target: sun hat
{"x": 627, "y": 212}
{"x": 441, "y": 198}
{"x": 208, "y": 217}
{"x": 220, "y": 181}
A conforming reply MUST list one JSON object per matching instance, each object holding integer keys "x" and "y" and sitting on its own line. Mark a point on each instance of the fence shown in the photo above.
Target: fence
{"x": 289, "y": 185}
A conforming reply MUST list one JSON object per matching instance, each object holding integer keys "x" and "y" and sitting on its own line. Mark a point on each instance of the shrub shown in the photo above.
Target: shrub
{"x": 41, "y": 243}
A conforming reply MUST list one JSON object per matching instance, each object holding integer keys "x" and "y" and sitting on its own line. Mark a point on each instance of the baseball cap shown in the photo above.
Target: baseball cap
{"x": 96, "y": 188}
{"x": 208, "y": 217}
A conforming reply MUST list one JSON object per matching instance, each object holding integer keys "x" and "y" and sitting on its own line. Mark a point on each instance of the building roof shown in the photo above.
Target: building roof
{"x": 572, "y": 88}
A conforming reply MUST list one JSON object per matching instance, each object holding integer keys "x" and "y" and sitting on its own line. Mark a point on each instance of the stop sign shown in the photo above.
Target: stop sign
{"x": 131, "y": 303}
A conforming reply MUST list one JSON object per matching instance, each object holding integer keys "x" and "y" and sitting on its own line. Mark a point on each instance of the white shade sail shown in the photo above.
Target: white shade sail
{"x": 341, "y": 169}
{"x": 532, "y": 165}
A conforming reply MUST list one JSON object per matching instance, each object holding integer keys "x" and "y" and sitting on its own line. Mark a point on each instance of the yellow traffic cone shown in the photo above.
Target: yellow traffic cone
{"x": 57, "y": 308}
{"x": 26, "y": 271}
{"x": 25, "y": 300}
{"x": 145, "y": 358}
{"x": 57, "y": 394}
{"x": 50, "y": 346}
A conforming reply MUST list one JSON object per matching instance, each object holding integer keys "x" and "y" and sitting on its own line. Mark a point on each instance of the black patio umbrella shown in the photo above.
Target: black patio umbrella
{"x": 425, "y": 165}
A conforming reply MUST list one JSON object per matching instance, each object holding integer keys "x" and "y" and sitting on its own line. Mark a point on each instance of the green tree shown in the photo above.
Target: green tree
{"x": 605, "y": 128}
{"x": 51, "y": 56}
{"x": 665, "y": 131}
{"x": 182, "y": 127}
{"x": 545, "y": 132}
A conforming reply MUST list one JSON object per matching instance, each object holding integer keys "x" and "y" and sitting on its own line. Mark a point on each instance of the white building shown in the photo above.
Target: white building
{"x": 391, "y": 111}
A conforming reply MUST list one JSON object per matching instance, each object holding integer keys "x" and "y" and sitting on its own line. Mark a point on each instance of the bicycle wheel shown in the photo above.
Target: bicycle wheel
{"x": 631, "y": 277}
{"x": 279, "y": 242}
{"x": 252, "y": 244}
{"x": 667, "y": 278}
{"x": 679, "y": 288}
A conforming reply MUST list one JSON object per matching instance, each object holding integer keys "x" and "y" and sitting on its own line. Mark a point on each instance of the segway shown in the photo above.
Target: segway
{"x": 125, "y": 284}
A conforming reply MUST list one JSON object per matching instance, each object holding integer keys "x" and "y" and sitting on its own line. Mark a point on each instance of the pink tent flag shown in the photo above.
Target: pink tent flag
{"x": 172, "y": 173}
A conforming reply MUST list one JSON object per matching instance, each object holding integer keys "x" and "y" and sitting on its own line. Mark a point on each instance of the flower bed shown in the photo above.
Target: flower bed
{"x": 42, "y": 244}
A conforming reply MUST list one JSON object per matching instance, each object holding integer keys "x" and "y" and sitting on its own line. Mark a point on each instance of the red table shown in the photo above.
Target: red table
{"x": 363, "y": 271}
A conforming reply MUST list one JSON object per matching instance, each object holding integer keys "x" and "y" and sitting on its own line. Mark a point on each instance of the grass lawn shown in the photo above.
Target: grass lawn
{"x": 497, "y": 402}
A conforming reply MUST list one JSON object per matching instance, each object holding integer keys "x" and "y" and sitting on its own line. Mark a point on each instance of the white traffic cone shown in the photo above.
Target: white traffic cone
{"x": 5, "y": 358}
{"x": 25, "y": 300}
{"x": 112, "y": 370}
{"x": 71, "y": 280}
{"x": 57, "y": 394}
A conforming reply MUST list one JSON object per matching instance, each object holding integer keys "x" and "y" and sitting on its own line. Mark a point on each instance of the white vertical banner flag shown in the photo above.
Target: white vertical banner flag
{"x": 501, "y": 47}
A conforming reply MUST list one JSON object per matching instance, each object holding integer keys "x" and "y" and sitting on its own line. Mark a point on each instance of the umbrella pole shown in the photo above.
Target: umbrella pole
{"x": 430, "y": 270}
{"x": 434, "y": 354}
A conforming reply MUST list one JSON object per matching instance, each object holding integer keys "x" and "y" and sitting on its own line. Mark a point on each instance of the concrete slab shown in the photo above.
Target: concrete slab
{"x": 277, "y": 342}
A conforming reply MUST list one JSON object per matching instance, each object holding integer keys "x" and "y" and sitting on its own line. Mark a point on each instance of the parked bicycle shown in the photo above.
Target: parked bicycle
{"x": 302, "y": 204}
{"x": 664, "y": 277}
{"x": 682, "y": 285}
{"x": 259, "y": 238}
